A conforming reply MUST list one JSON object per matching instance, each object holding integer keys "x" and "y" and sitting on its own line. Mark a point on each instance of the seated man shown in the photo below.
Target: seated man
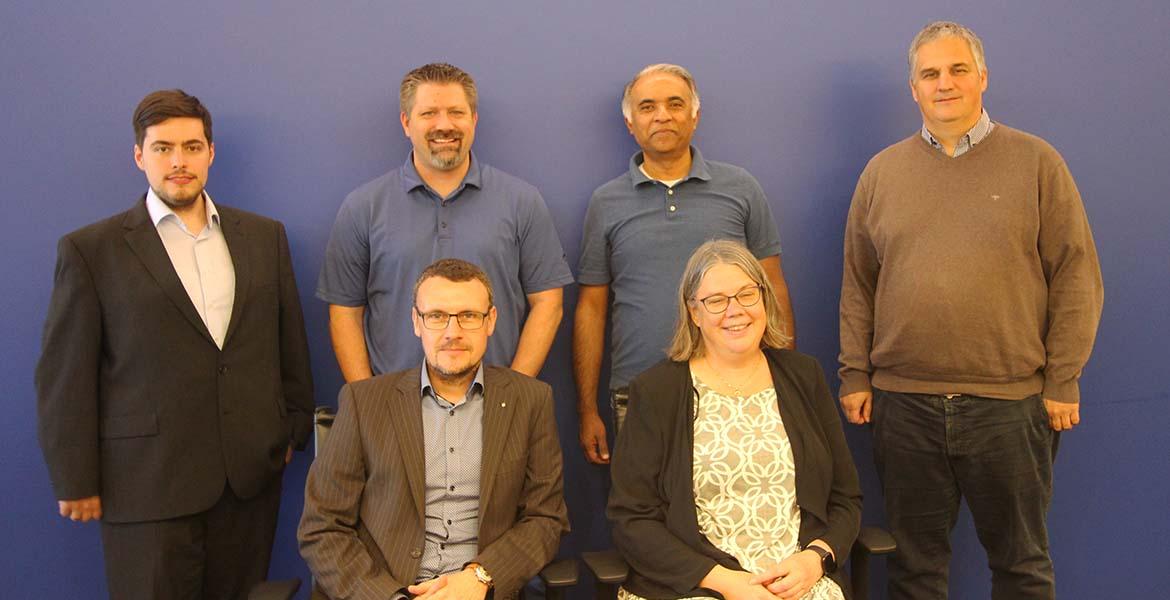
{"x": 443, "y": 481}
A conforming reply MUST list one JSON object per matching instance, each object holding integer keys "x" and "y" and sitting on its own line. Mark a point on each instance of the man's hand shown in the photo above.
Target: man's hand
{"x": 857, "y": 406}
{"x": 452, "y": 586}
{"x": 84, "y": 509}
{"x": 1062, "y": 416}
{"x": 792, "y": 577}
{"x": 592, "y": 432}
{"x": 288, "y": 454}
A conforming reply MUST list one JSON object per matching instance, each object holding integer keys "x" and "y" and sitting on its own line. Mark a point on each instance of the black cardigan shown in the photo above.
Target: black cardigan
{"x": 652, "y": 503}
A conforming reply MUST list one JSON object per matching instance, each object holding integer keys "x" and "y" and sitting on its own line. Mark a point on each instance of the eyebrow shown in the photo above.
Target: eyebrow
{"x": 652, "y": 100}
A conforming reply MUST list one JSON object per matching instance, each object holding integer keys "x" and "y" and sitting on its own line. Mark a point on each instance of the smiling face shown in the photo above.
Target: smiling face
{"x": 441, "y": 126}
{"x": 948, "y": 85}
{"x": 737, "y": 330}
{"x": 453, "y": 353}
{"x": 176, "y": 156}
{"x": 663, "y": 116}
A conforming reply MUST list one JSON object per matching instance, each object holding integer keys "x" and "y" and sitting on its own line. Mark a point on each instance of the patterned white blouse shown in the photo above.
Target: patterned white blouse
{"x": 745, "y": 483}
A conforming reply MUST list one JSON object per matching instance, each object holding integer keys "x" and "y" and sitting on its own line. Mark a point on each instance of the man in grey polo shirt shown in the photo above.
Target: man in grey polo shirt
{"x": 442, "y": 203}
{"x": 639, "y": 231}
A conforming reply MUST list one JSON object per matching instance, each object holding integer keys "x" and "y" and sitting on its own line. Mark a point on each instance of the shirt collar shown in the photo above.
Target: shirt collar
{"x": 973, "y": 136}
{"x": 473, "y": 391}
{"x": 411, "y": 179}
{"x": 159, "y": 210}
{"x": 698, "y": 168}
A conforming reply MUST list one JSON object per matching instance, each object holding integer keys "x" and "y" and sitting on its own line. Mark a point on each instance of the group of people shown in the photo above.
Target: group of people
{"x": 174, "y": 380}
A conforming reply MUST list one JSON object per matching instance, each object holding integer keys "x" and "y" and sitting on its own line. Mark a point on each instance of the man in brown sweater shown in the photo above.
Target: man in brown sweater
{"x": 969, "y": 304}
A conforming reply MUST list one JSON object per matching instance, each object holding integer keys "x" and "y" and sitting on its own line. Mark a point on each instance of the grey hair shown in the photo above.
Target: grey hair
{"x": 941, "y": 29}
{"x": 688, "y": 340}
{"x": 669, "y": 69}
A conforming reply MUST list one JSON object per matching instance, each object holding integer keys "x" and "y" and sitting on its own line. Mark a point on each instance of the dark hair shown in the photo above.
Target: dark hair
{"x": 159, "y": 106}
{"x": 453, "y": 269}
{"x": 435, "y": 73}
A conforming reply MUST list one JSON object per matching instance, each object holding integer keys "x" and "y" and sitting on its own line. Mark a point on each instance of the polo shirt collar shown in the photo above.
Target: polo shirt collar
{"x": 698, "y": 168}
{"x": 411, "y": 179}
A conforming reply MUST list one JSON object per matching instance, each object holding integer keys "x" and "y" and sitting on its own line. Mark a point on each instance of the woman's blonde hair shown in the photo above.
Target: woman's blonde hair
{"x": 688, "y": 340}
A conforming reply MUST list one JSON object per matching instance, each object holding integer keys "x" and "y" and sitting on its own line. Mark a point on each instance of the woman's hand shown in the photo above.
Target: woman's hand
{"x": 735, "y": 585}
{"x": 792, "y": 577}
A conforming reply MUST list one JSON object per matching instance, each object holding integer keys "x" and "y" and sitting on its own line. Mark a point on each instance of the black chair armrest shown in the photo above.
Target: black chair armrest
{"x": 558, "y": 576}
{"x": 607, "y": 566}
{"x": 275, "y": 590}
{"x": 875, "y": 540}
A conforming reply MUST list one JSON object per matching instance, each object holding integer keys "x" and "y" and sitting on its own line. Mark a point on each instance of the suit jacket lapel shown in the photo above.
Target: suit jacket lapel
{"x": 498, "y": 409}
{"x": 405, "y": 407}
{"x": 143, "y": 239}
{"x": 238, "y": 249}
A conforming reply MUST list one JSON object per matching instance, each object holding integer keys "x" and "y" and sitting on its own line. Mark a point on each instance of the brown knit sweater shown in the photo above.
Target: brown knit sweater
{"x": 969, "y": 275}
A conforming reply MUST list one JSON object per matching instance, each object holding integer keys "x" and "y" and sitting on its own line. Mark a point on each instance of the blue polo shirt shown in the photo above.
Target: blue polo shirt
{"x": 390, "y": 229}
{"x": 639, "y": 234}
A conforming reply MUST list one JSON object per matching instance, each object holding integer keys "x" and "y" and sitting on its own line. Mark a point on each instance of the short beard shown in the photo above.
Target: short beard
{"x": 174, "y": 204}
{"x": 448, "y": 164}
{"x": 452, "y": 376}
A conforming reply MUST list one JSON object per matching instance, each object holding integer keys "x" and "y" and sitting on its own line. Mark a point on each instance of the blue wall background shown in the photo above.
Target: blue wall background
{"x": 801, "y": 94}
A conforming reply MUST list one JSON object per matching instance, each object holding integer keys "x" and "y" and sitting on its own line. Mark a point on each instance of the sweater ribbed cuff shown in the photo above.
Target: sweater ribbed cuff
{"x": 1068, "y": 391}
{"x": 854, "y": 381}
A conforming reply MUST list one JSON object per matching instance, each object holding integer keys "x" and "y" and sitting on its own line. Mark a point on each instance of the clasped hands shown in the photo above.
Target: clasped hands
{"x": 788, "y": 579}
{"x": 462, "y": 585}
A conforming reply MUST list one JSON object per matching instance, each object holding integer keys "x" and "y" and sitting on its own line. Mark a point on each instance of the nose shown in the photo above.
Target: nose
{"x": 944, "y": 80}
{"x": 443, "y": 121}
{"x": 662, "y": 113}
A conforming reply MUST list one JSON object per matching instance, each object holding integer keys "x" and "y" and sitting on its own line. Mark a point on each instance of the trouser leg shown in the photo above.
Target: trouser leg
{"x": 921, "y": 494}
{"x": 239, "y": 542}
{"x": 160, "y": 560}
{"x": 1004, "y": 468}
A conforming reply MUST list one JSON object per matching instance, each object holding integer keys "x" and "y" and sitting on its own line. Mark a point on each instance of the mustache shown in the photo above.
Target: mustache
{"x": 452, "y": 346}
{"x": 447, "y": 134}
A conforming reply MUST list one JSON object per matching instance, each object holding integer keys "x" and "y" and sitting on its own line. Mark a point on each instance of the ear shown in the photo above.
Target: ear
{"x": 405, "y": 120}
{"x": 629, "y": 125}
{"x": 983, "y": 84}
{"x": 138, "y": 158}
{"x": 913, "y": 92}
{"x": 698, "y": 116}
{"x": 210, "y": 154}
{"x": 693, "y": 310}
{"x": 416, "y": 321}
{"x": 490, "y": 323}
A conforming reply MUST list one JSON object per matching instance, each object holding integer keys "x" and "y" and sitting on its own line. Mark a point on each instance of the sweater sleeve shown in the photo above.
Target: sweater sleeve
{"x": 1075, "y": 292}
{"x": 858, "y": 283}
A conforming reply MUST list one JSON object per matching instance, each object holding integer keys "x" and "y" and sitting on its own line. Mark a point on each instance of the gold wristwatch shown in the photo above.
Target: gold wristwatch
{"x": 481, "y": 574}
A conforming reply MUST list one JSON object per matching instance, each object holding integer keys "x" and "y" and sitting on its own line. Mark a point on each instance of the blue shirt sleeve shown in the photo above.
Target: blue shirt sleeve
{"x": 542, "y": 258}
{"x": 763, "y": 238}
{"x": 593, "y": 267}
{"x": 346, "y": 267}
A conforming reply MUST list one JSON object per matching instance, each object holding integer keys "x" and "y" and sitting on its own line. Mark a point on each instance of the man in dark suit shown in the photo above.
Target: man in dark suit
{"x": 174, "y": 376}
{"x": 442, "y": 481}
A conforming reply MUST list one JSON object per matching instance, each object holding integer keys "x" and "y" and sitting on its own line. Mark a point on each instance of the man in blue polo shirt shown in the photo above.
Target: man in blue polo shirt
{"x": 641, "y": 228}
{"x": 443, "y": 203}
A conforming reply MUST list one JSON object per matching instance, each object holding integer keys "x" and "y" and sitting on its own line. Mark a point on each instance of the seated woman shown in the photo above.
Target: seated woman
{"x": 731, "y": 472}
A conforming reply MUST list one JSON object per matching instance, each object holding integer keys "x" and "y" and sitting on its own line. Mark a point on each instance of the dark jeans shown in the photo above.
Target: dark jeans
{"x": 931, "y": 451}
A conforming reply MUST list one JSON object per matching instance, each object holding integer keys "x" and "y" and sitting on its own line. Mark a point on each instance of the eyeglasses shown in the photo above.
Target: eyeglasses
{"x": 468, "y": 319}
{"x": 718, "y": 303}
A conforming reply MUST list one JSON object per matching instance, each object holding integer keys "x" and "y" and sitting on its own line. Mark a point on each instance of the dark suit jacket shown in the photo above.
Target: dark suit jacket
{"x": 362, "y": 531}
{"x": 136, "y": 403}
{"x": 652, "y": 503}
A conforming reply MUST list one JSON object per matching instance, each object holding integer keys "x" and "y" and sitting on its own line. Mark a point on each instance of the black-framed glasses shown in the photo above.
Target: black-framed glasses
{"x": 437, "y": 319}
{"x": 717, "y": 303}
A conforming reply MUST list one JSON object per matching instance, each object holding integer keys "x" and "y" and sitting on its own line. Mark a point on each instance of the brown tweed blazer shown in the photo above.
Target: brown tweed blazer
{"x": 362, "y": 530}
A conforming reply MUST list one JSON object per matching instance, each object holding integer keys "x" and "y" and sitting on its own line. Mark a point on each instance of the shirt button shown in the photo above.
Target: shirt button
{"x": 443, "y": 224}
{"x": 452, "y": 488}
{"x": 452, "y": 413}
{"x": 223, "y": 370}
{"x": 442, "y": 546}
{"x": 673, "y": 208}
{"x": 452, "y": 450}
{"x": 448, "y": 521}
{"x": 670, "y": 192}
{"x": 415, "y": 553}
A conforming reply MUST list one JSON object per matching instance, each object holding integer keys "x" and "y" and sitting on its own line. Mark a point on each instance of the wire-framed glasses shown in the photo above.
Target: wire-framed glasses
{"x": 718, "y": 303}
